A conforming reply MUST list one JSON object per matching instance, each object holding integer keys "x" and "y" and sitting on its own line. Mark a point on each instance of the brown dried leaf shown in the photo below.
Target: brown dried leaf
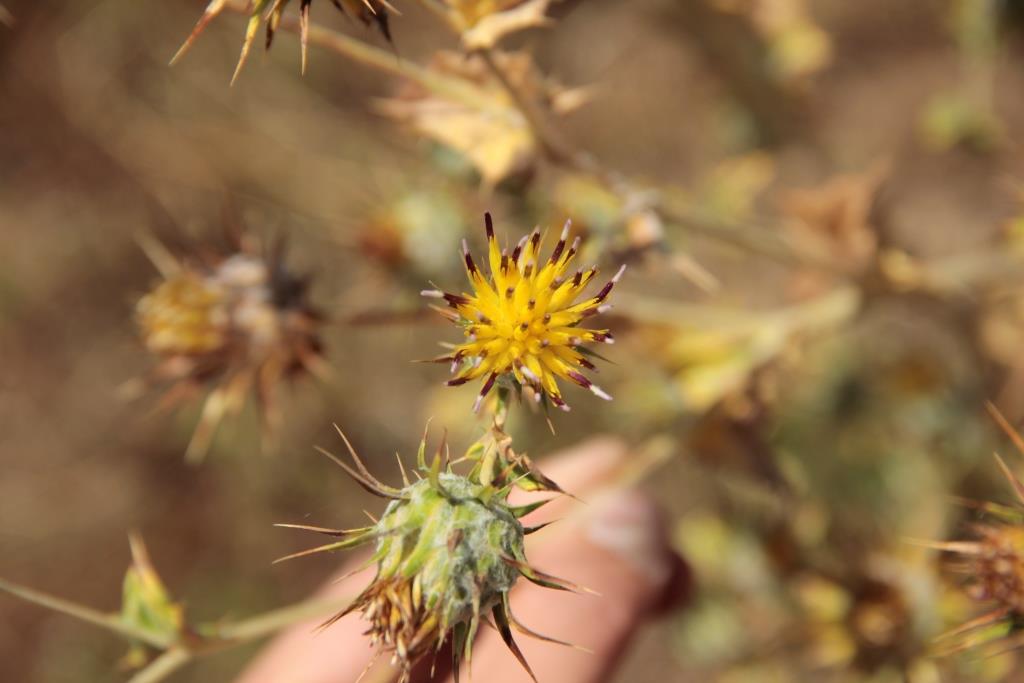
{"x": 835, "y": 217}
{"x": 478, "y": 119}
{"x": 490, "y": 28}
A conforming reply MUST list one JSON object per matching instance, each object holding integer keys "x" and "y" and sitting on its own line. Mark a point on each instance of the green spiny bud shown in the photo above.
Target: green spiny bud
{"x": 147, "y": 605}
{"x": 449, "y": 549}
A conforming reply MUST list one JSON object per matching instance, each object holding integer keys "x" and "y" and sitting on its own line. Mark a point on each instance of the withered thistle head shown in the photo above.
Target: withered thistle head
{"x": 522, "y": 320}
{"x": 993, "y": 563}
{"x": 239, "y": 322}
{"x": 449, "y": 548}
{"x": 271, "y": 12}
{"x": 996, "y": 562}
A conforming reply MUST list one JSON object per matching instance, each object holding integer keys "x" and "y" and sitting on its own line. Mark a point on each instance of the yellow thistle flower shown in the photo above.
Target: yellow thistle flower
{"x": 522, "y": 322}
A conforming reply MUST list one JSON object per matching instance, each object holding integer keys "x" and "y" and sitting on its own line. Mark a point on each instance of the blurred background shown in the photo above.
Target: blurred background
{"x": 821, "y": 300}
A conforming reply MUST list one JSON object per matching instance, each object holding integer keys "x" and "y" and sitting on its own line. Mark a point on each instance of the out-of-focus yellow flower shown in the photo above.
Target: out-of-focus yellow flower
{"x": 240, "y": 322}
{"x": 185, "y": 314}
{"x": 522, "y": 321}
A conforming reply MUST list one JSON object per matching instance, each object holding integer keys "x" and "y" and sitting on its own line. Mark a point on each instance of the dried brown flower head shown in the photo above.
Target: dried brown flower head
{"x": 238, "y": 322}
{"x": 994, "y": 565}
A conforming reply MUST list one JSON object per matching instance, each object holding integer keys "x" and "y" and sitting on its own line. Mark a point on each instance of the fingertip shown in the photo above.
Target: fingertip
{"x": 304, "y": 654}
{"x": 588, "y": 460}
{"x": 629, "y": 525}
{"x": 580, "y": 470}
{"x": 619, "y": 549}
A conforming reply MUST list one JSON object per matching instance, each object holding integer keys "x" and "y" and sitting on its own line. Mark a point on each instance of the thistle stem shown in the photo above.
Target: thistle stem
{"x": 821, "y": 312}
{"x": 270, "y": 622}
{"x": 206, "y": 638}
{"x": 554, "y": 145}
{"x": 763, "y": 240}
{"x": 379, "y": 59}
{"x": 560, "y": 152}
{"x": 163, "y": 666}
{"x": 112, "y": 622}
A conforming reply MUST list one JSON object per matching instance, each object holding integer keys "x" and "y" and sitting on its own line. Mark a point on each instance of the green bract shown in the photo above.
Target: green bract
{"x": 449, "y": 549}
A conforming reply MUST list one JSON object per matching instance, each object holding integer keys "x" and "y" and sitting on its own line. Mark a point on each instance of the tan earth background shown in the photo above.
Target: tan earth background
{"x": 876, "y": 424}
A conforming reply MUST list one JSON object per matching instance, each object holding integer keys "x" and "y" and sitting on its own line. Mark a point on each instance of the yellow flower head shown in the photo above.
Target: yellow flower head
{"x": 238, "y": 323}
{"x": 184, "y": 314}
{"x": 523, "y": 320}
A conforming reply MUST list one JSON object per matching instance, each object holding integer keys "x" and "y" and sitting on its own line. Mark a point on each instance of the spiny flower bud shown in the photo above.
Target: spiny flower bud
{"x": 997, "y": 567}
{"x": 146, "y": 604}
{"x": 449, "y": 548}
{"x": 240, "y": 321}
{"x": 522, "y": 320}
{"x": 271, "y": 11}
{"x": 994, "y": 565}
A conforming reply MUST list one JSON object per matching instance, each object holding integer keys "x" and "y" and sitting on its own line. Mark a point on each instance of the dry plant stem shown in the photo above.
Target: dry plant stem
{"x": 108, "y": 621}
{"x": 554, "y": 145}
{"x": 762, "y": 240}
{"x": 273, "y": 621}
{"x": 376, "y": 58}
{"x": 558, "y": 151}
{"x": 827, "y": 310}
{"x": 163, "y": 666}
{"x": 999, "y": 267}
{"x": 207, "y": 638}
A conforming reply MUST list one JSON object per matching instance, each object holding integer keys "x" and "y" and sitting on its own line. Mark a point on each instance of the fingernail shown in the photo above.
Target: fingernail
{"x": 628, "y": 524}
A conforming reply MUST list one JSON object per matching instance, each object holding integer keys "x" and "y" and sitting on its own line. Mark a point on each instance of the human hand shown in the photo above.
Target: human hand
{"x": 614, "y": 544}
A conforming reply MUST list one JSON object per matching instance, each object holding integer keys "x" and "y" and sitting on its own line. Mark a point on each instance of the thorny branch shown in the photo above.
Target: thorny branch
{"x": 758, "y": 240}
{"x": 205, "y": 639}
{"x": 112, "y": 622}
{"x": 562, "y": 153}
{"x": 163, "y": 666}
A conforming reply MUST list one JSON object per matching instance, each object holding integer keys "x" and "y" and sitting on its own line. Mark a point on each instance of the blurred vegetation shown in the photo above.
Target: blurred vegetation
{"x": 821, "y": 204}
